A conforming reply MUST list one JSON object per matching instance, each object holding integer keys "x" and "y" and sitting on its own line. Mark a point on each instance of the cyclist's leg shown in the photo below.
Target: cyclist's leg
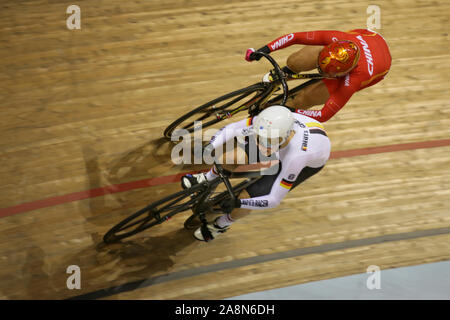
{"x": 313, "y": 95}
{"x": 240, "y": 213}
{"x": 235, "y": 156}
{"x": 316, "y": 94}
{"x": 259, "y": 188}
{"x": 243, "y": 153}
{"x": 226, "y": 220}
{"x": 304, "y": 59}
{"x": 305, "y": 174}
{"x": 229, "y": 158}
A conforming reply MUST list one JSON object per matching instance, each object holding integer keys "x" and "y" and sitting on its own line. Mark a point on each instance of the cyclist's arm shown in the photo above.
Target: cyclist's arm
{"x": 321, "y": 37}
{"x": 227, "y": 133}
{"x": 335, "y": 103}
{"x": 280, "y": 188}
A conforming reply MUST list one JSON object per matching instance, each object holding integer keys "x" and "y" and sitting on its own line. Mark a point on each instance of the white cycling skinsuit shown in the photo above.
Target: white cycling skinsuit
{"x": 304, "y": 155}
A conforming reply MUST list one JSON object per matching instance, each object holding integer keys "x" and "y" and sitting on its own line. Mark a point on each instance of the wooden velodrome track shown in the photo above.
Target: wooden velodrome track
{"x": 84, "y": 110}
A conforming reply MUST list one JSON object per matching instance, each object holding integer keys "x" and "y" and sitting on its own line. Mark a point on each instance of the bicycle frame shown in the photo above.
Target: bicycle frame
{"x": 201, "y": 202}
{"x": 205, "y": 206}
{"x": 251, "y": 98}
{"x": 272, "y": 87}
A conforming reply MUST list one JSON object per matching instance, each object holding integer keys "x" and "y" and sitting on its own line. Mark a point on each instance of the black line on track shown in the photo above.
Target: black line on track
{"x": 103, "y": 293}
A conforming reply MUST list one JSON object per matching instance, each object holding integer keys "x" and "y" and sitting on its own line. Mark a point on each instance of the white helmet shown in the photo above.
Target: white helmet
{"x": 273, "y": 125}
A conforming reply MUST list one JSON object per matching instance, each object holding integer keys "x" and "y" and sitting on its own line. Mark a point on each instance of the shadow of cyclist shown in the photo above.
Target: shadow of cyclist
{"x": 137, "y": 163}
{"x": 103, "y": 210}
{"x": 149, "y": 160}
{"x": 133, "y": 165}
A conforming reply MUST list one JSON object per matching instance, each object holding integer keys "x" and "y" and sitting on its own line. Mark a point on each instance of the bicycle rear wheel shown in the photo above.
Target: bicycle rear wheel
{"x": 154, "y": 214}
{"x": 218, "y": 109}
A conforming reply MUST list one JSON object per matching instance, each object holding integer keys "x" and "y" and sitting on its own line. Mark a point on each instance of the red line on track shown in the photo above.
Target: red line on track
{"x": 39, "y": 204}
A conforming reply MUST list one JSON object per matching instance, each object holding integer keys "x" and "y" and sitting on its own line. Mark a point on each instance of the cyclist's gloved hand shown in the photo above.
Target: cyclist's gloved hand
{"x": 228, "y": 205}
{"x": 252, "y": 55}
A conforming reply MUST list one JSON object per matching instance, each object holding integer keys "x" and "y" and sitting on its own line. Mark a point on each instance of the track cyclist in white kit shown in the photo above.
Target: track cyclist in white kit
{"x": 297, "y": 144}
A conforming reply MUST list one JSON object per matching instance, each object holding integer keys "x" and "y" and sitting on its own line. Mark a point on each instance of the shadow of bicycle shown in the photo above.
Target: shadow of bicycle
{"x": 149, "y": 160}
{"x": 133, "y": 165}
{"x": 146, "y": 257}
{"x": 139, "y": 257}
{"x": 130, "y": 261}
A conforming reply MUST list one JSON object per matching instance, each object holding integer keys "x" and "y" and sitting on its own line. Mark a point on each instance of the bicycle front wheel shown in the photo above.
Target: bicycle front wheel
{"x": 154, "y": 214}
{"x": 218, "y": 109}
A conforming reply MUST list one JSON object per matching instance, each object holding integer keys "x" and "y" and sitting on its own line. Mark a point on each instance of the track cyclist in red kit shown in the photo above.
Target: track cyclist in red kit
{"x": 349, "y": 61}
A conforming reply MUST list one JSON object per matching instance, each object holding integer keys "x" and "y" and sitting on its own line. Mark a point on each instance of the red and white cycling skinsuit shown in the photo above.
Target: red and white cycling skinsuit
{"x": 373, "y": 65}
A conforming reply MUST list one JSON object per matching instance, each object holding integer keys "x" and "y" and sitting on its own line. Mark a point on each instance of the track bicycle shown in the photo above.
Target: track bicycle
{"x": 202, "y": 199}
{"x": 251, "y": 98}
